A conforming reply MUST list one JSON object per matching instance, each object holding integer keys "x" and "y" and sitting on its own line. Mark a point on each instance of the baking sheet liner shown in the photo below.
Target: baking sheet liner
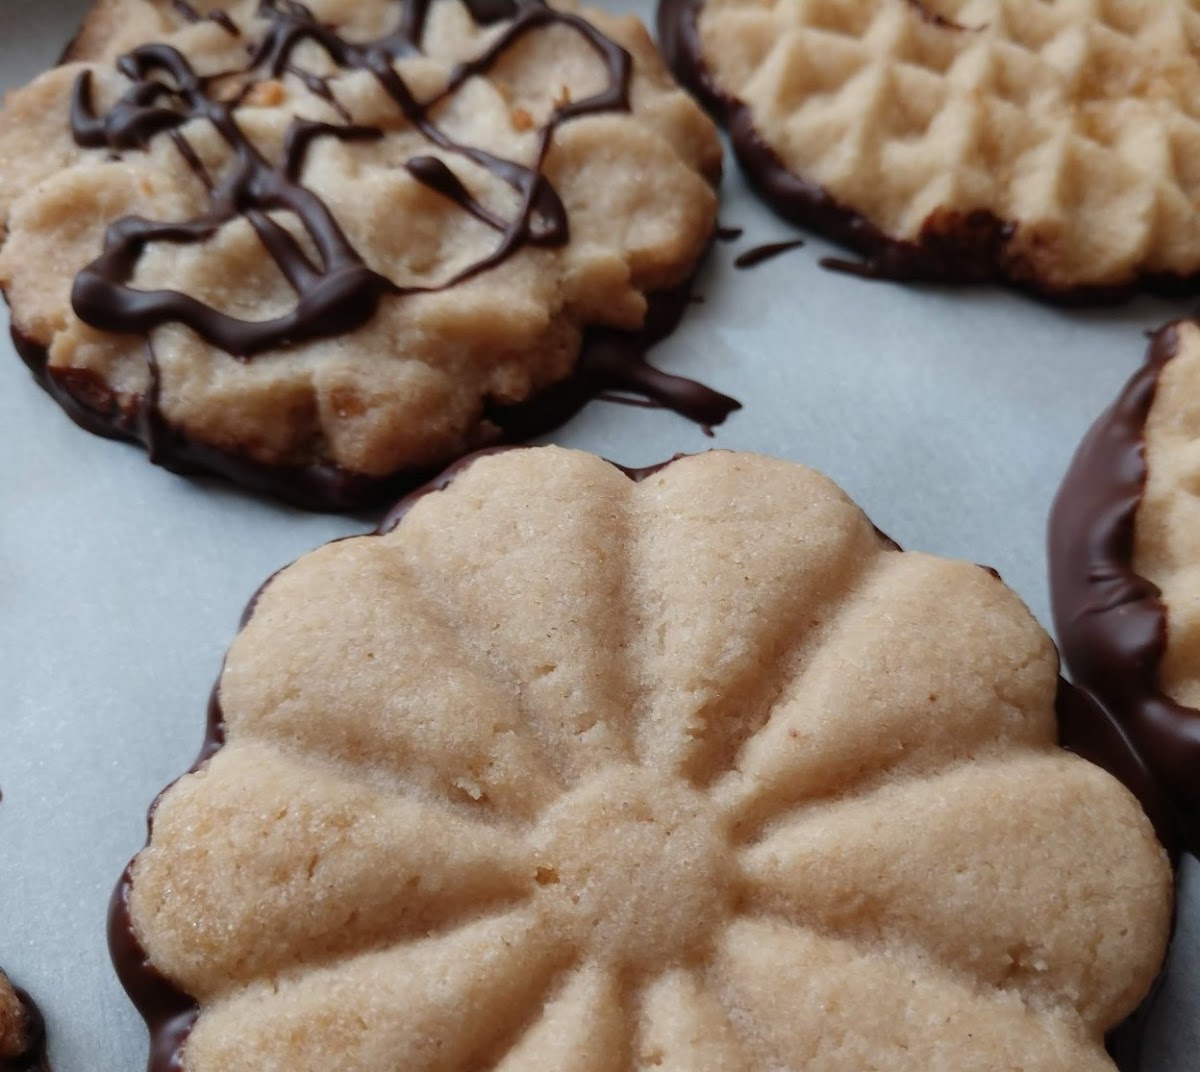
{"x": 949, "y": 415}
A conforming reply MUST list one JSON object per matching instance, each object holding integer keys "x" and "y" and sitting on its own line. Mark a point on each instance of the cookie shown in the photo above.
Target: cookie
{"x": 694, "y": 770}
{"x": 22, "y": 1033}
{"x": 1123, "y": 565}
{"x": 1055, "y": 146}
{"x": 323, "y": 247}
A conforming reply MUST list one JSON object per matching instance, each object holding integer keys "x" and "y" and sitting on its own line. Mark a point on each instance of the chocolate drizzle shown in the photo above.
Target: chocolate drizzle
{"x": 170, "y": 1014}
{"x": 608, "y": 360}
{"x": 186, "y": 11}
{"x": 951, "y": 247}
{"x": 339, "y": 293}
{"x": 758, "y": 254}
{"x": 1111, "y": 622}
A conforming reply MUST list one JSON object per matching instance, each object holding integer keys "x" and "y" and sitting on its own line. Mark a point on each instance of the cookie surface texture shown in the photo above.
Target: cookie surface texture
{"x": 572, "y": 771}
{"x": 1054, "y": 145}
{"x": 1124, "y": 555}
{"x": 346, "y": 236}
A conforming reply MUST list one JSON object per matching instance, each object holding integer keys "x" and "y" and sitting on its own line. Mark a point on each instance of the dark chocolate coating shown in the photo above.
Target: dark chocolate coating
{"x": 931, "y": 16}
{"x": 608, "y": 361}
{"x": 952, "y": 247}
{"x": 758, "y": 254}
{"x": 1111, "y": 622}
{"x": 340, "y": 293}
{"x": 170, "y": 1014}
{"x": 186, "y": 11}
{"x": 34, "y": 1058}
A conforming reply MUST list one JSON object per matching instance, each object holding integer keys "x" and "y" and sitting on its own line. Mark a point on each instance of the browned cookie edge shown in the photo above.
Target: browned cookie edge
{"x": 608, "y": 361}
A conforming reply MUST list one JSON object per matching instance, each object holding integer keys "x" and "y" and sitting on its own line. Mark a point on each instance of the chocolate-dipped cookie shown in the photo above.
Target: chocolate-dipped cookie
{"x": 323, "y": 247}
{"x": 22, "y": 1031}
{"x": 1055, "y": 146}
{"x": 1125, "y": 565}
{"x": 695, "y": 770}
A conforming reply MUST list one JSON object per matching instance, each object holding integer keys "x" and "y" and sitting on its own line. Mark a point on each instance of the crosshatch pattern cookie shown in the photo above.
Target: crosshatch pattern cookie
{"x": 314, "y": 246}
{"x": 1124, "y": 555}
{"x": 22, "y": 1032}
{"x": 696, "y": 771}
{"x": 1052, "y": 145}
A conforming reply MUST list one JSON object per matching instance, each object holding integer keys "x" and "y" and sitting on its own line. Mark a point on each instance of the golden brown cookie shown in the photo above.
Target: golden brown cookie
{"x": 1052, "y": 145}
{"x": 321, "y": 247}
{"x": 694, "y": 771}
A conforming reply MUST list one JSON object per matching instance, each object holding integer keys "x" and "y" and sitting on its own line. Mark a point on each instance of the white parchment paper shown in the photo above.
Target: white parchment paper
{"x": 950, "y": 415}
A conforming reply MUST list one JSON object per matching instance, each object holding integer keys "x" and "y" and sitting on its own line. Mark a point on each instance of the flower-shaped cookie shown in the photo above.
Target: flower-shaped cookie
{"x": 697, "y": 772}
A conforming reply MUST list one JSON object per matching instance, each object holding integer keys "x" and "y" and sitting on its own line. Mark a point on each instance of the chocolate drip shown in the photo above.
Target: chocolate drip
{"x": 951, "y": 247}
{"x": 933, "y": 18}
{"x": 615, "y": 361}
{"x": 765, "y": 252}
{"x": 34, "y": 1058}
{"x": 1111, "y": 621}
{"x": 415, "y": 12}
{"x": 728, "y": 234}
{"x": 339, "y": 296}
{"x": 342, "y": 293}
{"x": 608, "y": 360}
{"x": 432, "y": 172}
{"x": 186, "y": 11}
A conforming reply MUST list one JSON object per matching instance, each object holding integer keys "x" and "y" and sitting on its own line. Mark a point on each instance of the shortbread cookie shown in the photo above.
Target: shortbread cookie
{"x": 22, "y": 1035}
{"x": 692, "y": 772}
{"x": 323, "y": 246}
{"x": 1051, "y": 145}
{"x": 1125, "y": 564}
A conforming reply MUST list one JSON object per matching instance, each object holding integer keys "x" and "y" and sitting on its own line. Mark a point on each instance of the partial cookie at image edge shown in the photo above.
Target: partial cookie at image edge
{"x": 952, "y": 247}
{"x": 1112, "y": 623}
{"x": 22, "y": 1031}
